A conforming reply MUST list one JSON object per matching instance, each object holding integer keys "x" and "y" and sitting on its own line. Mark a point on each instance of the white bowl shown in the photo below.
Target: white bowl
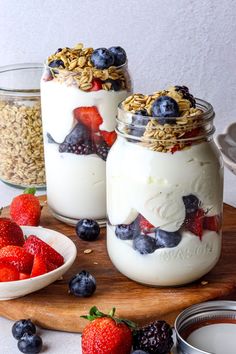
{"x": 227, "y": 144}
{"x": 61, "y": 243}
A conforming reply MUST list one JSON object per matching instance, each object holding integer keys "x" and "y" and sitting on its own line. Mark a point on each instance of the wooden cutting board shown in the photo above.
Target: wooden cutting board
{"x": 52, "y": 307}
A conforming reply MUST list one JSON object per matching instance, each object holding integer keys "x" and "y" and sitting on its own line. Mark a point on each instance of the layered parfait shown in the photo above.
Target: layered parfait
{"x": 164, "y": 189}
{"x": 80, "y": 91}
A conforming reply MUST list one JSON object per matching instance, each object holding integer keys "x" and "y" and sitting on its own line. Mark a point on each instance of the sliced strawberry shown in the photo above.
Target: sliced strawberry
{"x": 51, "y": 266}
{"x": 212, "y": 223}
{"x": 145, "y": 225}
{"x": 191, "y": 133}
{"x": 97, "y": 85}
{"x": 194, "y": 222}
{"x": 18, "y": 257}
{"x": 89, "y": 116}
{"x": 35, "y": 245}
{"x": 175, "y": 148}
{"x": 39, "y": 266}
{"x": 109, "y": 137}
{"x": 8, "y": 272}
{"x": 24, "y": 276}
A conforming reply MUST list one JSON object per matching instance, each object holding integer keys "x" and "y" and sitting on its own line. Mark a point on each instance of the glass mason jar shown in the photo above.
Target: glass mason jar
{"x": 79, "y": 117}
{"x": 21, "y": 138}
{"x": 164, "y": 198}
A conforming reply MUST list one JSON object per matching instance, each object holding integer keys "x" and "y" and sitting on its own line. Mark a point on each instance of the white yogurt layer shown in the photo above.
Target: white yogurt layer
{"x": 188, "y": 261}
{"x": 152, "y": 183}
{"x": 76, "y": 184}
{"x": 59, "y": 101}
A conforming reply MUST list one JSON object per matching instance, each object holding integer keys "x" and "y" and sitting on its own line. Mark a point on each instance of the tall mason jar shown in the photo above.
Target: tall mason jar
{"x": 79, "y": 110}
{"x": 21, "y": 138}
{"x": 164, "y": 198}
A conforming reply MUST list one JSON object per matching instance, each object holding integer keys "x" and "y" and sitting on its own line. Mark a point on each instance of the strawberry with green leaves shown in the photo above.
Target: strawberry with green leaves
{"x": 106, "y": 334}
{"x": 25, "y": 209}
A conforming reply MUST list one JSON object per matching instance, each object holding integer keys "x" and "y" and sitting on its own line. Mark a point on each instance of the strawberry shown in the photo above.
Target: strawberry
{"x": 97, "y": 85}
{"x": 109, "y": 137}
{"x": 106, "y": 334}
{"x": 10, "y": 233}
{"x": 194, "y": 222}
{"x": 175, "y": 148}
{"x": 35, "y": 245}
{"x": 25, "y": 209}
{"x": 18, "y": 257}
{"x": 24, "y": 276}
{"x": 212, "y": 223}
{"x": 89, "y": 116}
{"x": 8, "y": 272}
{"x": 145, "y": 225}
{"x": 191, "y": 133}
{"x": 39, "y": 266}
{"x": 51, "y": 266}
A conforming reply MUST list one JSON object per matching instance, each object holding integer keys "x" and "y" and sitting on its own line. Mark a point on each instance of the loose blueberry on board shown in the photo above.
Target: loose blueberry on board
{"x": 164, "y": 108}
{"x": 115, "y": 84}
{"x": 144, "y": 244}
{"x": 191, "y": 203}
{"x": 167, "y": 239}
{"x": 139, "y": 122}
{"x": 30, "y": 343}
{"x": 127, "y": 232}
{"x": 56, "y": 64}
{"x": 102, "y": 58}
{"x": 21, "y": 327}
{"x": 120, "y": 56}
{"x": 82, "y": 284}
{"x": 87, "y": 230}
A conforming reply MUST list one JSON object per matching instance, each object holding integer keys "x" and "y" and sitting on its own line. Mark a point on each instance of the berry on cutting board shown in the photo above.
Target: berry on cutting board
{"x": 30, "y": 343}
{"x": 25, "y": 209}
{"x": 10, "y": 233}
{"x": 87, "y": 229}
{"x": 88, "y": 116}
{"x": 8, "y": 272}
{"x": 82, "y": 284}
{"x": 102, "y": 58}
{"x": 21, "y": 327}
{"x": 34, "y": 245}
{"x": 106, "y": 334}
{"x": 18, "y": 257}
{"x": 139, "y": 352}
{"x": 120, "y": 56}
{"x": 154, "y": 338}
{"x": 164, "y": 108}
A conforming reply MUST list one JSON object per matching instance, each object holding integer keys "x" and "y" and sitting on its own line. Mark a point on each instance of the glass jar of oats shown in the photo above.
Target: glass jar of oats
{"x": 21, "y": 141}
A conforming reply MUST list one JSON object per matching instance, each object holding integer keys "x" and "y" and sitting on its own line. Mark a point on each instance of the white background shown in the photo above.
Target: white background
{"x": 190, "y": 42}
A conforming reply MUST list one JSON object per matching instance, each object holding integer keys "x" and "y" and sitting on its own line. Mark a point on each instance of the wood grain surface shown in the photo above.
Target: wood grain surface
{"x": 53, "y": 307}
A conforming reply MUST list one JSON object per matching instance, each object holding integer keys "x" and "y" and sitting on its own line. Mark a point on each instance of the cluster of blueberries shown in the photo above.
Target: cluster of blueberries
{"x": 158, "y": 238}
{"x": 28, "y": 341}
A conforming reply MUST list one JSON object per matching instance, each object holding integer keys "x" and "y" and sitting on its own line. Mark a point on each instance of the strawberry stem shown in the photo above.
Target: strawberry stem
{"x": 30, "y": 190}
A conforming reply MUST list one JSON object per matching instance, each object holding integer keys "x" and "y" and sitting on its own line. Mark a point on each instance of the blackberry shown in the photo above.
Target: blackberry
{"x": 155, "y": 338}
{"x": 102, "y": 150}
{"x": 78, "y": 149}
{"x": 186, "y": 95}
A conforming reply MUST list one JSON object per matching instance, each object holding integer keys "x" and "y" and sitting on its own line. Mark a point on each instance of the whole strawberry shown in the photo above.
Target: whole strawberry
{"x": 106, "y": 334}
{"x": 10, "y": 233}
{"x": 25, "y": 209}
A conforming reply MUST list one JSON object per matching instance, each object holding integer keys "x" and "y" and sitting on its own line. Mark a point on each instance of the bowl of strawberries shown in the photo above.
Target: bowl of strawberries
{"x": 31, "y": 257}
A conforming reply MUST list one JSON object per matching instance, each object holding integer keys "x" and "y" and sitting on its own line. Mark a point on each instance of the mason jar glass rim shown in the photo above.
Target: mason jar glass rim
{"x": 17, "y": 73}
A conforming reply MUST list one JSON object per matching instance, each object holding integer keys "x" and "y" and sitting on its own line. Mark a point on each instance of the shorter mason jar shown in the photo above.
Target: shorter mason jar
{"x": 21, "y": 138}
{"x": 164, "y": 198}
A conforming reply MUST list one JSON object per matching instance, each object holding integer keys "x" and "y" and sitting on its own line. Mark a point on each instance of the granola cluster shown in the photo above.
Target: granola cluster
{"x": 163, "y": 133}
{"x": 73, "y": 66}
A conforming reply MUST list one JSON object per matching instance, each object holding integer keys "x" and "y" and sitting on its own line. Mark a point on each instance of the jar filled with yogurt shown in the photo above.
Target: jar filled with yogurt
{"x": 80, "y": 91}
{"x": 164, "y": 189}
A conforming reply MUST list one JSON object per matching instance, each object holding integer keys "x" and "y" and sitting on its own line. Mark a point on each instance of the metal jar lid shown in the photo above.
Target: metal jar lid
{"x": 200, "y": 313}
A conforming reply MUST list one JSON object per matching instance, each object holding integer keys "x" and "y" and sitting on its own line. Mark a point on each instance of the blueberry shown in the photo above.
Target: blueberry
{"x": 23, "y": 326}
{"x": 119, "y": 55}
{"x": 50, "y": 139}
{"x": 127, "y": 232}
{"x": 58, "y": 50}
{"x": 87, "y": 230}
{"x": 82, "y": 284}
{"x": 115, "y": 84}
{"x": 191, "y": 203}
{"x": 77, "y": 135}
{"x": 30, "y": 343}
{"x": 102, "y": 58}
{"x": 167, "y": 239}
{"x": 144, "y": 244}
{"x": 139, "y": 352}
{"x": 56, "y": 63}
{"x": 139, "y": 122}
{"x": 165, "y": 107}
